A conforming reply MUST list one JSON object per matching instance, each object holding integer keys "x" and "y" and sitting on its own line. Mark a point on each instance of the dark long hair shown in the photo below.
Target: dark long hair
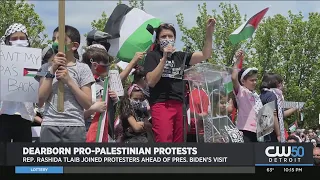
{"x": 217, "y": 95}
{"x": 126, "y": 109}
{"x": 270, "y": 80}
{"x": 74, "y": 36}
{"x": 164, "y": 26}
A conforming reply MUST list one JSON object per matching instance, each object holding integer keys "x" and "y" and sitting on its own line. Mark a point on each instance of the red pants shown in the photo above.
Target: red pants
{"x": 167, "y": 121}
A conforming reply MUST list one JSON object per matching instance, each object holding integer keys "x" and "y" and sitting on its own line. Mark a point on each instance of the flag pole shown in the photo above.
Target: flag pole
{"x": 61, "y": 49}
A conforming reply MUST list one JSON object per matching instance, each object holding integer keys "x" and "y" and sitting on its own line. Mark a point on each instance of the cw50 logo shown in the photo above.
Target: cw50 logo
{"x": 284, "y": 151}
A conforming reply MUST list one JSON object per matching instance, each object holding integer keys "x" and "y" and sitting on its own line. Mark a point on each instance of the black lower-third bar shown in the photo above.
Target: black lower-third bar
{"x": 287, "y": 170}
{"x": 184, "y": 170}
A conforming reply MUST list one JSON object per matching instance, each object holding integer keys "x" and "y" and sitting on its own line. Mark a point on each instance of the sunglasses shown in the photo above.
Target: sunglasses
{"x": 167, "y": 24}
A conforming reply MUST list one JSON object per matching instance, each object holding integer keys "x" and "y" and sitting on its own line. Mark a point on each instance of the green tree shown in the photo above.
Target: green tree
{"x": 229, "y": 20}
{"x": 22, "y": 12}
{"x": 100, "y": 23}
{"x": 289, "y": 46}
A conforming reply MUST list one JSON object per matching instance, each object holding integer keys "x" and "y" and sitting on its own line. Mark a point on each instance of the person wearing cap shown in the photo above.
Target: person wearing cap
{"x": 248, "y": 101}
{"x": 98, "y": 37}
{"x": 16, "y": 117}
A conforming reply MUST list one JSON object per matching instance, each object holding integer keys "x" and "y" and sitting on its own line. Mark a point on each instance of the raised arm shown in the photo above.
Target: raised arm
{"x": 289, "y": 112}
{"x": 207, "y": 48}
{"x": 125, "y": 73}
{"x": 234, "y": 76}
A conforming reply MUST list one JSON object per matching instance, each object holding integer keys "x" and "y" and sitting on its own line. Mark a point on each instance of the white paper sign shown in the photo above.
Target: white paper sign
{"x": 36, "y": 131}
{"x": 115, "y": 83}
{"x": 18, "y": 65}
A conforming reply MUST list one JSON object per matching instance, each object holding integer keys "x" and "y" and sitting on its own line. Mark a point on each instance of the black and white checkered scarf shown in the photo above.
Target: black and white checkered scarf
{"x": 16, "y": 27}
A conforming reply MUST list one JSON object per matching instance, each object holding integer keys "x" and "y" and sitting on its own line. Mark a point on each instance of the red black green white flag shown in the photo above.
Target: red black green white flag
{"x": 30, "y": 72}
{"x": 247, "y": 29}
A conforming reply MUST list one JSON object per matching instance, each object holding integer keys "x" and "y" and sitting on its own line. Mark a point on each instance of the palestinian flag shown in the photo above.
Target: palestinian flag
{"x": 247, "y": 29}
{"x": 130, "y": 31}
{"x": 293, "y": 127}
{"x": 98, "y": 131}
{"x": 30, "y": 72}
{"x": 102, "y": 132}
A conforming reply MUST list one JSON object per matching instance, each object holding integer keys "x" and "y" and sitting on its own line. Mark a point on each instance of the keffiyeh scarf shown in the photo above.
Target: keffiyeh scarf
{"x": 16, "y": 27}
{"x": 257, "y": 101}
{"x": 280, "y": 100}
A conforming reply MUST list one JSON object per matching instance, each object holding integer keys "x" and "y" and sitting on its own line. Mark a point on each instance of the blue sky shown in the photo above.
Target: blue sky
{"x": 80, "y": 14}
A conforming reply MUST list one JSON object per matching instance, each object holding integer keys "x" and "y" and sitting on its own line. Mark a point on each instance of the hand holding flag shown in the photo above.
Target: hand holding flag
{"x": 239, "y": 61}
{"x": 138, "y": 56}
{"x": 99, "y": 106}
{"x": 239, "y": 56}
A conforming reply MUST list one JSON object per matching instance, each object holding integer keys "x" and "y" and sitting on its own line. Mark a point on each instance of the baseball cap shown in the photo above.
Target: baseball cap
{"x": 96, "y": 35}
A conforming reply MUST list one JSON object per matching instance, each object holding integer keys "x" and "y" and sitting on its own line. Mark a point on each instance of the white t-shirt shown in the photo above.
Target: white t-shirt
{"x": 24, "y": 109}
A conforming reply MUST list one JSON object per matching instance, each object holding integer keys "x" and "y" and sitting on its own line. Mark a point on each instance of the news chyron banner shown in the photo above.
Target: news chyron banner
{"x": 92, "y": 154}
{"x": 58, "y": 158}
{"x": 286, "y": 155}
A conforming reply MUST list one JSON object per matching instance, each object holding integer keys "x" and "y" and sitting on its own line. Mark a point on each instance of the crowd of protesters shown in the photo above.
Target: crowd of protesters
{"x": 152, "y": 108}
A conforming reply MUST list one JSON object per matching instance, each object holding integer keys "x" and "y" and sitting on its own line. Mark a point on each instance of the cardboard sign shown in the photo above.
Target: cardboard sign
{"x": 18, "y": 66}
{"x": 115, "y": 82}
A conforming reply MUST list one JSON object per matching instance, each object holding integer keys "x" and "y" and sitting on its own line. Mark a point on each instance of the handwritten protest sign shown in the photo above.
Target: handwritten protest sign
{"x": 18, "y": 66}
{"x": 115, "y": 82}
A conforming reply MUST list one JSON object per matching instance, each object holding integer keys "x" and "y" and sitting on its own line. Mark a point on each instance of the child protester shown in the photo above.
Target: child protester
{"x": 97, "y": 58}
{"x": 67, "y": 126}
{"x": 248, "y": 101}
